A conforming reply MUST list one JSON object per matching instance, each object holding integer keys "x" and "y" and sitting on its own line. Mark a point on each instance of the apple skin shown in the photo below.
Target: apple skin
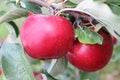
{"x": 37, "y": 76}
{"x": 46, "y": 37}
{"x": 1, "y": 71}
{"x": 91, "y": 57}
{"x": 114, "y": 39}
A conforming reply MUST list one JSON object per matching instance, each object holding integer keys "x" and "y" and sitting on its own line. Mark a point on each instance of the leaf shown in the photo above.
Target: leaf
{"x": 101, "y": 0}
{"x": 115, "y": 9}
{"x": 17, "y": 1}
{"x": 15, "y": 27}
{"x": 102, "y": 13}
{"x": 88, "y": 36}
{"x": 70, "y": 3}
{"x": 116, "y": 53}
{"x": 116, "y": 2}
{"x": 1, "y": 13}
{"x": 14, "y": 63}
{"x": 88, "y": 76}
{"x": 30, "y": 6}
{"x": 49, "y": 77}
{"x": 13, "y": 14}
{"x": 57, "y": 66}
{"x": 2, "y": 77}
{"x": 76, "y": 1}
{"x": 11, "y": 2}
{"x": 11, "y": 23}
{"x": 3, "y": 32}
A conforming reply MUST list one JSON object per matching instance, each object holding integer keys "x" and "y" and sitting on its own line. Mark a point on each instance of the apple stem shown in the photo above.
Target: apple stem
{"x": 45, "y": 4}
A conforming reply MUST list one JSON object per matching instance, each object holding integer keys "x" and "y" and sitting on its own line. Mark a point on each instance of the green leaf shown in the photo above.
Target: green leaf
{"x": 3, "y": 31}
{"x": 88, "y": 36}
{"x": 116, "y": 53}
{"x": 11, "y": 2}
{"x": 49, "y": 76}
{"x": 76, "y": 1}
{"x": 13, "y": 14}
{"x": 1, "y": 13}
{"x": 2, "y": 77}
{"x": 15, "y": 27}
{"x": 116, "y": 2}
{"x": 69, "y": 3}
{"x": 100, "y": 0}
{"x": 14, "y": 63}
{"x": 57, "y": 66}
{"x": 88, "y": 76}
{"x": 11, "y": 23}
{"x": 17, "y": 1}
{"x": 30, "y": 6}
{"x": 115, "y": 9}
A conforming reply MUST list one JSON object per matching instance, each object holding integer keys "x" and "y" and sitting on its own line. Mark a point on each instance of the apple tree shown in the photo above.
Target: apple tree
{"x": 58, "y": 39}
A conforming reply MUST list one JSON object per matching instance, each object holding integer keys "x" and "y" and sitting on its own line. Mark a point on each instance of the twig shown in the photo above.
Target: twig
{"x": 83, "y": 17}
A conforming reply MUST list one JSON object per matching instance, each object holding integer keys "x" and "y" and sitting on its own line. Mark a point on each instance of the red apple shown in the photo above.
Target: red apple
{"x": 1, "y": 71}
{"x": 91, "y": 57}
{"x": 46, "y": 36}
{"x": 29, "y": 13}
{"x": 37, "y": 76}
{"x": 114, "y": 39}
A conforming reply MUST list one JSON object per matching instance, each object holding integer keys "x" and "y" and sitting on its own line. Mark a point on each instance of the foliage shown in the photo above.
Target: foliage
{"x": 15, "y": 62}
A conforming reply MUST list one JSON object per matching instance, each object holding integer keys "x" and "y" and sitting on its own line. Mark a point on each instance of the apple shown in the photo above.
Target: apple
{"x": 91, "y": 57}
{"x": 37, "y": 76}
{"x": 46, "y": 37}
{"x": 114, "y": 39}
{"x": 1, "y": 71}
